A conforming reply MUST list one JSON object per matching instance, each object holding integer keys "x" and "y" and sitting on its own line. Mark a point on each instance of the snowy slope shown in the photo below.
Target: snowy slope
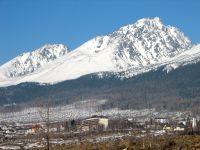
{"x": 190, "y": 56}
{"x": 148, "y": 41}
{"x": 31, "y": 61}
{"x": 139, "y": 47}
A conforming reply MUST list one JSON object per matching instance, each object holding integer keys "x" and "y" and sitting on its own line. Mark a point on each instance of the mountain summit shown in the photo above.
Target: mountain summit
{"x": 148, "y": 42}
{"x": 29, "y": 62}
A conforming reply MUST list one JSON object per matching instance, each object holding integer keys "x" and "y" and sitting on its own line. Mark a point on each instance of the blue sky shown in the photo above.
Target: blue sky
{"x": 26, "y": 25}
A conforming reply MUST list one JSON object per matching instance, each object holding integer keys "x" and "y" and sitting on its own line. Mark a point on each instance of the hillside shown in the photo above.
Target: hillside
{"x": 177, "y": 89}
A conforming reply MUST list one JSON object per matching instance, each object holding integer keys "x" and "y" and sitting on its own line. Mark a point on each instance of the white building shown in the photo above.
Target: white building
{"x": 162, "y": 120}
{"x": 95, "y": 123}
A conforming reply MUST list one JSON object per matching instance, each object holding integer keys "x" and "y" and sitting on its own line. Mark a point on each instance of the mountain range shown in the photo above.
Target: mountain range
{"x": 133, "y": 53}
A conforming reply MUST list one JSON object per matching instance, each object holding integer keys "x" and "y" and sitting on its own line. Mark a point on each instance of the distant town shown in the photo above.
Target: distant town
{"x": 93, "y": 129}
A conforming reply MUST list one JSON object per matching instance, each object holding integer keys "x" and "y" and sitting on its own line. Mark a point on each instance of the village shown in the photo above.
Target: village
{"x": 94, "y": 129}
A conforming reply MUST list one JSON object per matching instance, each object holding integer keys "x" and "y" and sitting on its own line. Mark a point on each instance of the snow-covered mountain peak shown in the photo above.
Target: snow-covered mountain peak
{"x": 154, "y": 22}
{"x": 143, "y": 24}
{"x": 55, "y": 49}
{"x": 145, "y": 42}
{"x": 28, "y": 62}
{"x": 135, "y": 47}
{"x": 147, "y": 35}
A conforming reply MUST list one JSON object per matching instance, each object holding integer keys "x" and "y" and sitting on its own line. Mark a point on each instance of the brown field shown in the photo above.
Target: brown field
{"x": 187, "y": 142}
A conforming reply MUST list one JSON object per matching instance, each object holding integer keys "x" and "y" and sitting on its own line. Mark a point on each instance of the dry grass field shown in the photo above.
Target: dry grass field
{"x": 187, "y": 142}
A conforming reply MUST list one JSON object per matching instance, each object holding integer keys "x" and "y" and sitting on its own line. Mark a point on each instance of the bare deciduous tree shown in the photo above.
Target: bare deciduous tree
{"x": 45, "y": 114}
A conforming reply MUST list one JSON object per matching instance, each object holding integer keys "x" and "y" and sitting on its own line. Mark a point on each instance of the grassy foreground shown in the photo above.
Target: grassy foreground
{"x": 187, "y": 142}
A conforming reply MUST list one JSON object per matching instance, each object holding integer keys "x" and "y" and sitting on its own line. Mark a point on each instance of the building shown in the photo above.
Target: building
{"x": 179, "y": 129}
{"x": 184, "y": 122}
{"x": 32, "y": 129}
{"x": 94, "y": 124}
{"x": 167, "y": 128}
{"x": 162, "y": 120}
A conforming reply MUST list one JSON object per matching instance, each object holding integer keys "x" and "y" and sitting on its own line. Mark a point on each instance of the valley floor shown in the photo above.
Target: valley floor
{"x": 78, "y": 127}
{"x": 178, "y": 142}
{"x": 107, "y": 140}
{"x": 162, "y": 142}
